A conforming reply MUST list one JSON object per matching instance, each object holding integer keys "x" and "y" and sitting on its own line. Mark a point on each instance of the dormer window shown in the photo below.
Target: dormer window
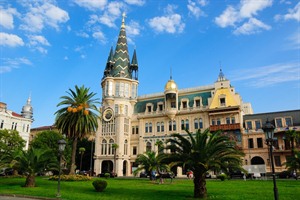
{"x": 184, "y": 104}
{"x": 222, "y": 101}
{"x": 173, "y": 104}
{"x": 148, "y": 108}
{"x": 288, "y": 121}
{"x": 160, "y": 107}
{"x": 197, "y": 102}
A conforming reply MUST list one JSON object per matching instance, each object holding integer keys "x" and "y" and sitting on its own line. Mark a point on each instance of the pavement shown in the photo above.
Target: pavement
{"x": 22, "y": 197}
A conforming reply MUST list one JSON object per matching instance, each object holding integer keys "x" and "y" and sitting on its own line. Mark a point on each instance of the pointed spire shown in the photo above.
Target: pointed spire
{"x": 111, "y": 55}
{"x": 170, "y": 73}
{"x": 134, "y": 66}
{"x": 221, "y": 76}
{"x": 121, "y": 57}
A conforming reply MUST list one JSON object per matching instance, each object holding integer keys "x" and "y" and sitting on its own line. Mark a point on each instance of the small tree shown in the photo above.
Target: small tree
{"x": 34, "y": 161}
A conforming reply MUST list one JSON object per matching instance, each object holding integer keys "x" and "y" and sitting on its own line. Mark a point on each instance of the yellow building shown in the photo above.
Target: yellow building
{"x": 136, "y": 123}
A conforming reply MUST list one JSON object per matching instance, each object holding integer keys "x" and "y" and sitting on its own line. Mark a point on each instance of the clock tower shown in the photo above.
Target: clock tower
{"x": 119, "y": 95}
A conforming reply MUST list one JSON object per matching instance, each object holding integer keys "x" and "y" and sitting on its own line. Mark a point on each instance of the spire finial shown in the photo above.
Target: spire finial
{"x": 123, "y": 20}
{"x": 170, "y": 73}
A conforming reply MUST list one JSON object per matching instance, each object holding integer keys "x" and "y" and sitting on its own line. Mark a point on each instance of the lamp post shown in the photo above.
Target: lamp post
{"x": 268, "y": 129}
{"x": 61, "y": 147}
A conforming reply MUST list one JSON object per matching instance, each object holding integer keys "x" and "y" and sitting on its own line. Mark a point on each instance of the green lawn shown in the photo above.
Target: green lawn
{"x": 144, "y": 189}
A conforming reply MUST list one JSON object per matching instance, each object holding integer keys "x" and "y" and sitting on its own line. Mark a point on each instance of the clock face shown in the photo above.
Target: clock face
{"x": 108, "y": 114}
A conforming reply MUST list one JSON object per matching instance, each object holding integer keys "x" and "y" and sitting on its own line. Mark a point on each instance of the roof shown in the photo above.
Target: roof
{"x": 229, "y": 99}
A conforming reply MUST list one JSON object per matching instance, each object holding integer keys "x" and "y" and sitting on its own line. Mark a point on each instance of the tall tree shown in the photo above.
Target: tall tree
{"x": 81, "y": 152}
{"x": 78, "y": 117}
{"x": 34, "y": 161}
{"x": 201, "y": 152}
{"x": 293, "y": 162}
{"x": 292, "y": 136}
{"x": 115, "y": 147}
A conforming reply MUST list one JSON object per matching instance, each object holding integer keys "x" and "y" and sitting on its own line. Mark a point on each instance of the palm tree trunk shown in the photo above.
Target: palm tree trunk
{"x": 81, "y": 161}
{"x": 30, "y": 181}
{"x": 200, "y": 190}
{"x": 74, "y": 148}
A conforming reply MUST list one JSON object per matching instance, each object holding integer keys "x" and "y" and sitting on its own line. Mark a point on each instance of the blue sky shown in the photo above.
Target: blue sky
{"x": 49, "y": 46}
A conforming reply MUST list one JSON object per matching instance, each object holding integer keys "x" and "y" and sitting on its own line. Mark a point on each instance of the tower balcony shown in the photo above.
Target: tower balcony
{"x": 225, "y": 127}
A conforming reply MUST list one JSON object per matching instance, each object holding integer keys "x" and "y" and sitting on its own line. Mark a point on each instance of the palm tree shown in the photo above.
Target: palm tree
{"x": 151, "y": 161}
{"x": 201, "y": 152}
{"x": 81, "y": 152}
{"x": 160, "y": 146}
{"x": 293, "y": 162}
{"x": 34, "y": 161}
{"x": 115, "y": 146}
{"x": 78, "y": 118}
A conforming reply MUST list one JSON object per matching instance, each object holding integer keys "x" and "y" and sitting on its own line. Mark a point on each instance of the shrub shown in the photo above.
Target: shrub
{"x": 222, "y": 177}
{"x": 99, "y": 185}
{"x": 107, "y": 175}
{"x": 70, "y": 178}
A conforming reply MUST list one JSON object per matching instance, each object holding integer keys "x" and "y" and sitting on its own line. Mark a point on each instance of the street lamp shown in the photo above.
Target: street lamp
{"x": 268, "y": 129}
{"x": 61, "y": 147}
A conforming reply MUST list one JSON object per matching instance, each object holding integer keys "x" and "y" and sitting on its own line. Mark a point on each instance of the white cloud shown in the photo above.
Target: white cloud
{"x": 37, "y": 42}
{"x": 193, "y": 9}
{"x": 251, "y": 27}
{"x": 66, "y": 58}
{"x": 133, "y": 28}
{"x": 236, "y": 16}
{"x": 83, "y": 34}
{"x": 170, "y": 23}
{"x": 10, "y": 40}
{"x": 294, "y": 41}
{"x": 41, "y": 15}
{"x": 135, "y": 2}
{"x": 8, "y": 64}
{"x": 251, "y": 7}
{"x": 268, "y": 75}
{"x": 7, "y": 17}
{"x": 92, "y": 4}
{"x": 228, "y": 17}
{"x": 293, "y": 14}
{"x": 107, "y": 20}
{"x": 99, "y": 36}
{"x": 203, "y": 2}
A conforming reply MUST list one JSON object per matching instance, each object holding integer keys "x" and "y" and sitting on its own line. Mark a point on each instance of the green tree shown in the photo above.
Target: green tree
{"x": 201, "y": 152}
{"x": 115, "y": 147}
{"x": 293, "y": 162}
{"x": 81, "y": 152}
{"x": 151, "y": 161}
{"x": 34, "y": 161}
{"x": 292, "y": 136}
{"x": 10, "y": 144}
{"x": 160, "y": 146}
{"x": 78, "y": 117}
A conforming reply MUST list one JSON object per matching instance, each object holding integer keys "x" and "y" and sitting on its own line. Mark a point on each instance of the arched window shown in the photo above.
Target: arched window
{"x": 125, "y": 147}
{"x": 103, "y": 148}
{"x": 174, "y": 125}
{"x": 110, "y": 149}
{"x": 170, "y": 125}
{"x": 158, "y": 126}
{"x": 146, "y": 128}
{"x": 200, "y": 123}
{"x": 162, "y": 127}
{"x": 150, "y": 127}
{"x": 148, "y": 146}
{"x": 182, "y": 124}
{"x": 187, "y": 125}
{"x": 218, "y": 121}
{"x": 196, "y": 123}
{"x": 233, "y": 120}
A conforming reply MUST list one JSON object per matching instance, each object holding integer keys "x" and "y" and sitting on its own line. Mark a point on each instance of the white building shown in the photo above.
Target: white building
{"x": 11, "y": 120}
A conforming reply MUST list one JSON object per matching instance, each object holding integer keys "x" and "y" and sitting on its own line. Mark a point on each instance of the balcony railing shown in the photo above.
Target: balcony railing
{"x": 225, "y": 127}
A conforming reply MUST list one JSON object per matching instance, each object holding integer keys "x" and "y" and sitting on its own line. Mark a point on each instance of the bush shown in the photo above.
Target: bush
{"x": 222, "y": 177}
{"x": 99, "y": 185}
{"x": 70, "y": 178}
{"x": 107, "y": 175}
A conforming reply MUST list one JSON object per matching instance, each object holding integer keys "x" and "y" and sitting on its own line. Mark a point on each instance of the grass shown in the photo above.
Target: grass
{"x": 135, "y": 189}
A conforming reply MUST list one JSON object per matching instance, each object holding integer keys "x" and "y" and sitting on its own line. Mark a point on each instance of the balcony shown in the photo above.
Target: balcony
{"x": 225, "y": 127}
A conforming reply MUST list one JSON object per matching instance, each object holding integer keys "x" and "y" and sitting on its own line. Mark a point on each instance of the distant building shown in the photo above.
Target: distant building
{"x": 254, "y": 141}
{"x": 11, "y": 120}
{"x": 35, "y": 131}
{"x": 136, "y": 123}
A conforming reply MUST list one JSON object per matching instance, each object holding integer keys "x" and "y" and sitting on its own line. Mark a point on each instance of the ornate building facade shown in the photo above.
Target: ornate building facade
{"x": 132, "y": 124}
{"x": 11, "y": 120}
